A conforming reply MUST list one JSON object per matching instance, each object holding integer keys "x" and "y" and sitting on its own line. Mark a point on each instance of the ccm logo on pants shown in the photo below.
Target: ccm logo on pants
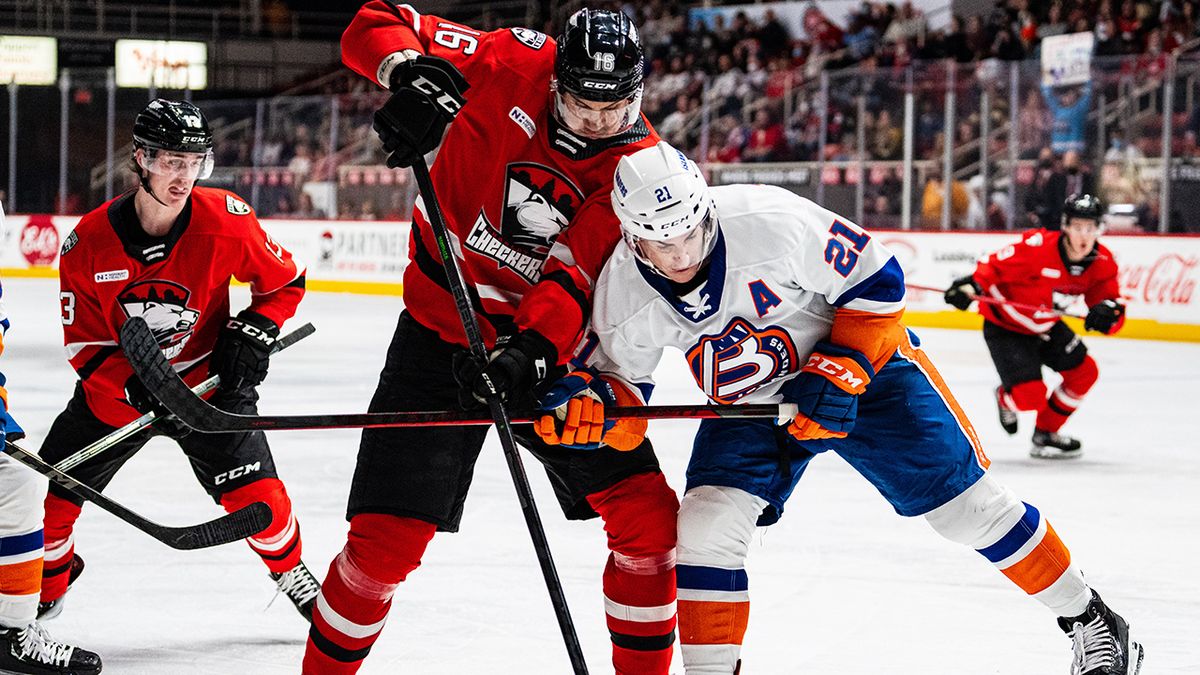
{"x": 237, "y": 473}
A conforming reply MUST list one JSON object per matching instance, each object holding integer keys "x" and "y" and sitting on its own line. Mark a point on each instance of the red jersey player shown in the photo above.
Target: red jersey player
{"x": 1049, "y": 270}
{"x": 538, "y": 128}
{"x": 167, "y": 252}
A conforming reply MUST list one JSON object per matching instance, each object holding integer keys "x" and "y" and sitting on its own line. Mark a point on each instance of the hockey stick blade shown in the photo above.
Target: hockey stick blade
{"x": 158, "y": 375}
{"x": 245, "y": 522}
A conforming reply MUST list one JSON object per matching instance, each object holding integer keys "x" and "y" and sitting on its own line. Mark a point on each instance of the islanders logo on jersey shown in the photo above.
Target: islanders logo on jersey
{"x": 740, "y": 359}
{"x": 163, "y": 304}
{"x": 539, "y": 203}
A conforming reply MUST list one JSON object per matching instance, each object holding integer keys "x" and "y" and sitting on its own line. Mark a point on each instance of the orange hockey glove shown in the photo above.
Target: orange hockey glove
{"x": 826, "y": 392}
{"x": 574, "y": 414}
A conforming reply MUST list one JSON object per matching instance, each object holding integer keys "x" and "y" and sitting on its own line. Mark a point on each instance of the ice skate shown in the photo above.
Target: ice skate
{"x": 51, "y": 609}
{"x": 1008, "y": 416}
{"x": 1102, "y": 643}
{"x": 1049, "y": 445}
{"x": 30, "y": 651}
{"x": 301, "y": 587}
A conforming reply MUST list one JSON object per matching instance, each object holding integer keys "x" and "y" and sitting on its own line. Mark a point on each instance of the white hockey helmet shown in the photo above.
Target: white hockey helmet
{"x": 660, "y": 195}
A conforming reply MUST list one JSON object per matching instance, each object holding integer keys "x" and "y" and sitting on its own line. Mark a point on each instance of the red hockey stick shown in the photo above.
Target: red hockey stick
{"x": 1025, "y": 307}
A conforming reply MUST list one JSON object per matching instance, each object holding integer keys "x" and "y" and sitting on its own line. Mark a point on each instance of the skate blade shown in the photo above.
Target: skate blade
{"x": 1038, "y": 452}
{"x": 1136, "y": 654}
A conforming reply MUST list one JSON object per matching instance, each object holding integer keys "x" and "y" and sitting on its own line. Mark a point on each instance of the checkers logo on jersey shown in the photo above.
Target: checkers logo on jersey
{"x": 539, "y": 203}
{"x": 163, "y": 304}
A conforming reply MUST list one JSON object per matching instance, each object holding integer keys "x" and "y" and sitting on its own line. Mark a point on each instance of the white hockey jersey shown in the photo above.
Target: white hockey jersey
{"x": 783, "y": 270}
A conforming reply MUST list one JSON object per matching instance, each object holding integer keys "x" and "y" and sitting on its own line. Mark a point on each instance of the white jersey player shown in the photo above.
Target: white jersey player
{"x": 773, "y": 298}
{"x": 25, "y": 647}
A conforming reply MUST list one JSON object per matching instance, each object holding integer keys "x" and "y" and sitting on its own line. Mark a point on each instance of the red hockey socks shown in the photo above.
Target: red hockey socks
{"x": 1068, "y": 396}
{"x": 1025, "y": 396}
{"x": 639, "y": 580}
{"x": 279, "y": 544}
{"x": 60, "y": 546}
{"x": 381, "y": 551}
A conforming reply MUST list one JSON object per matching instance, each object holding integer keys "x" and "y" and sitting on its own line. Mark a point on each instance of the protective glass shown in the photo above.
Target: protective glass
{"x": 679, "y": 256}
{"x": 1084, "y": 226}
{"x": 186, "y": 165}
{"x": 597, "y": 119}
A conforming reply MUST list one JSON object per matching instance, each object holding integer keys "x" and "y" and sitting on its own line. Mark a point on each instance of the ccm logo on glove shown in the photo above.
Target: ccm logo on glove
{"x": 847, "y": 374}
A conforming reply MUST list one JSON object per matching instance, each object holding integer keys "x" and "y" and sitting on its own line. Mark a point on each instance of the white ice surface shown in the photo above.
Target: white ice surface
{"x": 842, "y": 585}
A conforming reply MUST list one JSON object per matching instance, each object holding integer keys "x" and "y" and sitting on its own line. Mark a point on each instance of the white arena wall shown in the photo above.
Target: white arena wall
{"x": 1159, "y": 273}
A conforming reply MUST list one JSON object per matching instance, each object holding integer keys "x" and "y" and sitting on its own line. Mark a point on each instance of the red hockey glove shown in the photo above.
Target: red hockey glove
{"x": 826, "y": 392}
{"x": 575, "y": 419}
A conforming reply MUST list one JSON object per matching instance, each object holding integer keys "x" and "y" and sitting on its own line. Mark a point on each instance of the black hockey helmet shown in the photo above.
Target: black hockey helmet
{"x": 1083, "y": 206}
{"x": 177, "y": 126}
{"x": 599, "y": 56}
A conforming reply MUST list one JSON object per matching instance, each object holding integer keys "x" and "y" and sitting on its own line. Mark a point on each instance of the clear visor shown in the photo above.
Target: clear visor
{"x": 597, "y": 119}
{"x": 1084, "y": 226}
{"x": 677, "y": 258}
{"x": 186, "y": 165}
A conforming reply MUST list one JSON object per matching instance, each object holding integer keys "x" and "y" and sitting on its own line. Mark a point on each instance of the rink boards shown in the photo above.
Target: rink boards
{"x": 1159, "y": 274}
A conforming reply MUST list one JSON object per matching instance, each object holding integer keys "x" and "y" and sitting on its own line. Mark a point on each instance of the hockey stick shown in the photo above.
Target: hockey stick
{"x": 156, "y": 372}
{"x": 246, "y": 521}
{"x": 103, "y": 444}
{"x": 470, "y": 324}
{"x": 1002, "y": 301}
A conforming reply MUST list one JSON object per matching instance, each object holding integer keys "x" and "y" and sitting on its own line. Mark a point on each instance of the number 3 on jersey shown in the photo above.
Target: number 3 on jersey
{"x": 740, "y": 359}
{"x": 837, "y": 254}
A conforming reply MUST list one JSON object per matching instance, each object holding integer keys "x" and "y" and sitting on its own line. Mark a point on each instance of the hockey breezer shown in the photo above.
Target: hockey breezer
{"x": 244, "y": 522}
{"x": 149, "y": 418}
{"x": 154, "y": 369}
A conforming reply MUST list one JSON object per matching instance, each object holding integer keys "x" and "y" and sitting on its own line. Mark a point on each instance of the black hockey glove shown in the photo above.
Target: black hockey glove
{"x": 243, "y": 351}
{"x": 517, "y": 365}
{"x": 962, "y": 292}
{"x": 140, "y": 399}
{"x": 1103, "y": 316}
{"x": 427, "y": 92}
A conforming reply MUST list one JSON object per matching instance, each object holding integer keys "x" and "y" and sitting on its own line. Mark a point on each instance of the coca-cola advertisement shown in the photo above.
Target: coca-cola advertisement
{"x": 1170, "y": 279}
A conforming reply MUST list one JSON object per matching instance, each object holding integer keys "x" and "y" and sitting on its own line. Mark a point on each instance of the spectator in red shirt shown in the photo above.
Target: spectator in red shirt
{"x": 767, "y": 140}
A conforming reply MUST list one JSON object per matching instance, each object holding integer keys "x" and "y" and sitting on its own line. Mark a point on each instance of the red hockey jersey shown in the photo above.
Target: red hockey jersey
{"x": 1035, "y": 271}
{"x": 510, "y": 179}
{"x": 110, "y": 270}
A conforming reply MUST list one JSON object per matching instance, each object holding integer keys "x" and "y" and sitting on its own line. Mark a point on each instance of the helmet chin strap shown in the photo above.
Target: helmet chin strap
{"x": 145, "y": 180}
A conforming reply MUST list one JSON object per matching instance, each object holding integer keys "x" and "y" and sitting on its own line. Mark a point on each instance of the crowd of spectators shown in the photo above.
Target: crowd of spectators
{"x": 734, "y": 88}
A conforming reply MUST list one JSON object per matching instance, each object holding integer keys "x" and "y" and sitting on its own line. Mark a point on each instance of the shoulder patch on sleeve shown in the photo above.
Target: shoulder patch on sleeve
{"x": 69, "y": 243}
{"x": 529, "y": 37}
{"x": 236, "y": 206}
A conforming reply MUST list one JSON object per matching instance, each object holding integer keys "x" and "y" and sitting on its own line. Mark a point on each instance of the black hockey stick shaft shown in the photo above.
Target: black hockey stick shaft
{"x": 245, "y": 522}
{"x": 102, "y": 445}
{"x": 154, "y": 369}
{"x": 533, "y": 521}
{"x": 158, "y": 375}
